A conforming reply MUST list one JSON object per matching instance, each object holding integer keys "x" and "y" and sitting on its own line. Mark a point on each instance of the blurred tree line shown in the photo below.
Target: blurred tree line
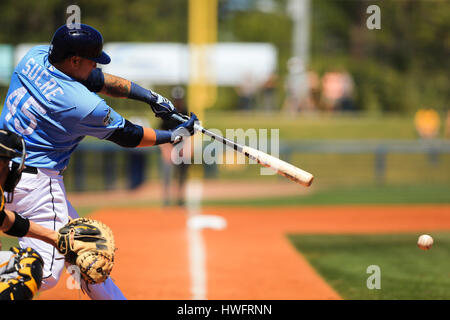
{"x": 402, "y": 67}
{"x": 120, "y": 20}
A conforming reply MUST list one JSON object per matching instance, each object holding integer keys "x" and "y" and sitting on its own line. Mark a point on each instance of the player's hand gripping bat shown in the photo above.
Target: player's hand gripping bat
{"x": 281, "y": 167}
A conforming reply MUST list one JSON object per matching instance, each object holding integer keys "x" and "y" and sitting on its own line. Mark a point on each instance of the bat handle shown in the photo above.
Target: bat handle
{"x": 181, "y": 118}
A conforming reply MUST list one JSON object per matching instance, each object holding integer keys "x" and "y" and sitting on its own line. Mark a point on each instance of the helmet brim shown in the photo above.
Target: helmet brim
{"x": 103, "y": 59}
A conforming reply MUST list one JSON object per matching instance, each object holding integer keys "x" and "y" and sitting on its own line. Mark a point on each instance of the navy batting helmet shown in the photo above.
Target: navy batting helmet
{"x": 84, "y": 41}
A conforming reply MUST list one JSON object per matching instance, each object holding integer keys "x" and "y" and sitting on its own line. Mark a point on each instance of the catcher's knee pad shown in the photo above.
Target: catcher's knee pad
{"x": 28, "y": 266}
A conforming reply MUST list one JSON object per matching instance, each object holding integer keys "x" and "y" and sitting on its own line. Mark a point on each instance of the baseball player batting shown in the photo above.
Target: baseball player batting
{"x": 52, "y": 102}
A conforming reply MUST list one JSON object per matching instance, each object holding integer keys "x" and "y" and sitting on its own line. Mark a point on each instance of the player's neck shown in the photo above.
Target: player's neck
{"x": 65, "y": 68}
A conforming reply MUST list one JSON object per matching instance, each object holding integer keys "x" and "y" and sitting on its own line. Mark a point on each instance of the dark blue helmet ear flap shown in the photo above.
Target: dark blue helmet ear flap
{"x": 85, "y": 41}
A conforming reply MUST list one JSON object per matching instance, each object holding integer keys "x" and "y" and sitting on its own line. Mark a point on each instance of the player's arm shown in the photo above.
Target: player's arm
{"x": 118, "y": 87}
{"x": 105, "y": 123}
{"x": 107, "y": 84}
{"x": 132, "y": 135}
{"x": 114, "y": 86}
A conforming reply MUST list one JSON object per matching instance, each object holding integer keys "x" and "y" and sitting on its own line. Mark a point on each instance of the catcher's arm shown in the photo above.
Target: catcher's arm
{"x": 14, "y": 225}
{"x": 39, "y": 232}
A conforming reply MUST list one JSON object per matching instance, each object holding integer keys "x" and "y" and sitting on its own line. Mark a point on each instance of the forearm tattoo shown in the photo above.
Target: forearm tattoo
{"x": 116, "y": 86}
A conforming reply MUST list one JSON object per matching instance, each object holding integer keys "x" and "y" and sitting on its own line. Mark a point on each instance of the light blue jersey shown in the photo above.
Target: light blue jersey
{"x": 53, "y": 112}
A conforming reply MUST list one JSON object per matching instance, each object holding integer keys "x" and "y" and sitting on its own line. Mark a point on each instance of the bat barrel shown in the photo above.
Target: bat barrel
{"x": 281, "y": 167}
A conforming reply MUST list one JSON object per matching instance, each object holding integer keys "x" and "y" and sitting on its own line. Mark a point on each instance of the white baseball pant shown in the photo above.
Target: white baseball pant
{"x": 42, "y": 198}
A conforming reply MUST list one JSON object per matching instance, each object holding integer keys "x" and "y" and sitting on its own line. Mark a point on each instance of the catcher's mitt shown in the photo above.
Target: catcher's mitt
{"x": 88, "y": 244}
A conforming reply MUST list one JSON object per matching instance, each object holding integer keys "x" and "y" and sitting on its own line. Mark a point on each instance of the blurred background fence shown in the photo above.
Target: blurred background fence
{"x": 101, "y": 166}
{"x": 383, "y": 151}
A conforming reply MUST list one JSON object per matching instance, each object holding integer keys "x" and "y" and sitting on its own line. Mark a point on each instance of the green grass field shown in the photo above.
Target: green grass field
{"x": 342, "y": 260}
{"x": 406, "y": 272}
{"x": 324, "y": 126}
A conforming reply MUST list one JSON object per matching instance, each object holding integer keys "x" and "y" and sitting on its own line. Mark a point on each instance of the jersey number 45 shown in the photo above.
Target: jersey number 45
{"x": 14, "y": 102}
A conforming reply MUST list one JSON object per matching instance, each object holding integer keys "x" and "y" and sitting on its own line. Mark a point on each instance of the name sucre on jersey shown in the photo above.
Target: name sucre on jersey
{"x": 39, "y": 76}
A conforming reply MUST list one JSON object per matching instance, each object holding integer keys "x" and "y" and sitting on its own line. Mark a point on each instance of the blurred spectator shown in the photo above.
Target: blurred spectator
{"x": 447, "y": 126}
{"x": 268, "y": 91}
{"x": 346, "y": 102}
{"x": 313, "y": 98}
{"x": 169, "y": 169}
{"x": 310, "y": 103}
{"x": 296, "y": 86}
{"x": 246, "y": 91}
{"x": 337, "y": 91}
{"x": 289, "y": 104}
{"x": 427, "y": 123}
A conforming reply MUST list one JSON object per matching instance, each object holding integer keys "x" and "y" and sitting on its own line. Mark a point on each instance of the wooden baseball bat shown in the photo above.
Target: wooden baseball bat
{"x": 281, "y": 167}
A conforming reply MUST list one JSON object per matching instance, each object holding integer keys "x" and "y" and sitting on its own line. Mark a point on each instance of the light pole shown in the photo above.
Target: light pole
{"x": 298, "y": 86}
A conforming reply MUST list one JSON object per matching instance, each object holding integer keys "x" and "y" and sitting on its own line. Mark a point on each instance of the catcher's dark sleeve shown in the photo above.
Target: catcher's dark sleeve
{"x": 20, "y": 226}
{"x": 129, "y": 136}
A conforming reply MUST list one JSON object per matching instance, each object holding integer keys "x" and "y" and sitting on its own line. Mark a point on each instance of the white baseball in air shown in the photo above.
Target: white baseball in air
{"x": 425, "y": 242}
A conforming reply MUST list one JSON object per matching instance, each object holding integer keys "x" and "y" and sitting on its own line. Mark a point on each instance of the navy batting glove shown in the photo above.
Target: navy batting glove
{"x": 188, "y": 125}
{"x": 161, "y": 106}
{"x": 184, "y": 129}
{"x": 176, "y": 135}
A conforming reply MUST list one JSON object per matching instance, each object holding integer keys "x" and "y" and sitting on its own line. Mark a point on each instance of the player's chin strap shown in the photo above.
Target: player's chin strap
{"x": 15, "y": 175}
